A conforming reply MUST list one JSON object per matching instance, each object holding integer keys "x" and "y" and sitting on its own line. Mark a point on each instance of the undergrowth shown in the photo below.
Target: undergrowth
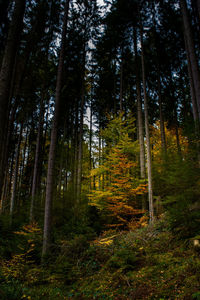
{"x": 149, "y": 263}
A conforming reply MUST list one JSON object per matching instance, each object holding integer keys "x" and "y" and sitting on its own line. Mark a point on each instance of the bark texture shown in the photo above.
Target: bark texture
{"x": 139, "y": 112}
{"x": 54, "y": 133}
{"x": 149, "y": 164}
{"x": 6, "y": 75}
{"x": 37, "y": 159}
{"x": 15, "y": 177}
{"x": 191, "y": 52}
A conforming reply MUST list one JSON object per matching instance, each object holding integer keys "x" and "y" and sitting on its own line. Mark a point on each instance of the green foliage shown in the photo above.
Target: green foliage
{"x": 178, "y": 185}
{"x": 118, "y": 184}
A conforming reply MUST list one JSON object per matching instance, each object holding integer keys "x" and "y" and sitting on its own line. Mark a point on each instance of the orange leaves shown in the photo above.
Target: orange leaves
{"x": 140, "y": 190}
{"x": 118, "y": 187}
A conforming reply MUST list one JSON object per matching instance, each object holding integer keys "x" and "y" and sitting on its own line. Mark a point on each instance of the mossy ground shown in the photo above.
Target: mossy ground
{"x": 149, "y": 263}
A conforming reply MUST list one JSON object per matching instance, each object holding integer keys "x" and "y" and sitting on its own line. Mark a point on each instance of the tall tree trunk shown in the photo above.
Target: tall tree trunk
{"x": 149, "y": 164}
{"x": 192, "y": 89}
{"x": 80, "y": 148}
{"x": 191, "y": 52}
{"x": 14, "y": 189}
{"x": 91, "y": 113}
{"x": 37, "y": 158}
{"x": 198, "y": 7}
{"x": 75, "y": 153}
{"x": 54, "y": 132}
{"x": 162, "y": 124}
{"x": 139, "y": 111}
{"x": 6, "y": 75}
{"x": 20, "y": 199}
{"x": 121, "y": 86}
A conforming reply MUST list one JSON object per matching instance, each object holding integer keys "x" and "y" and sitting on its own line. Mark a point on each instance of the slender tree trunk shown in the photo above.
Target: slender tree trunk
{"x": 91, "y": 112}
{"x": 121, "y": 86}
{"x": 190, "y": 48}
{"x": 177, "y": 132}
{"x": 54, "y": 132}
{"x": 15, "y": 178}
{"x": 4, "y": 192}
{"x": 192, "y": 89}
{"x": 139, "y": 111}
{"x": 162, "y": 124}
{"x": 80, "y": 148}
{"x": 198, "y": 7}
{"x": 75, "y": 154}
{"x": 100, "y": 186}
{"x": 149, "y": 165}
{"x": 20, "y": 199}
{"x": 6, "y": 75}
{"x": 37, "y": 158}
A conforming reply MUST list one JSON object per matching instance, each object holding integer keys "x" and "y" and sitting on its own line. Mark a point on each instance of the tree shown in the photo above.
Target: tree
{"x": 149, "y": 166}
{"x": 118, "y": 196}
{"x": 6, "y": 74}
{"x": 190, "y": 48}
{"x": 52, "y": 150}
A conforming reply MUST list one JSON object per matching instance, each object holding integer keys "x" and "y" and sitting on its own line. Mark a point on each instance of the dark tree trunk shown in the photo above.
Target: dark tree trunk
{"x": 37, "y": 159}
{"x": 80, "y": 148}
{"x": 192, "y": 89}
{"x": 162, "y": 124}
{"x": 121, "y": 86}
{"x": 54, "y": 132}
{"x": 190, "y": 48}
{"x": 91, "y": 135}
{"x": 15, "y": 177}
{"x": 6, "y": 75}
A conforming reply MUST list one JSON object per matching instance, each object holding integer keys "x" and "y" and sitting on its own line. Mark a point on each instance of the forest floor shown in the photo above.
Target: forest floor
{"x": 148, "y": 263}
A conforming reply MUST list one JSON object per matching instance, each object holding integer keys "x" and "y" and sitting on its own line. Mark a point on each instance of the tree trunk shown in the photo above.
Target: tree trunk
{"x": 80, "y": 148}
{"x": 191, "y": 52}
{"x": 6, "y": 75}
{"x": 37, "y": 159}
{"x": 139, "y": 111}
{"x": 149, "y": 165}
{"x": 20, "y": 199}
{"x": 162, "y": 124}
{"x": 177, "y": 133}
{"x": 121, "y": 86}
{"x": 198, "y": 7}
{"x": 54, "y": 132}
{"x": 91, "y": 134}
{"x": 192, "y": 90}
{"x": 14, "y": 189}
{"x": 75, "y": 153}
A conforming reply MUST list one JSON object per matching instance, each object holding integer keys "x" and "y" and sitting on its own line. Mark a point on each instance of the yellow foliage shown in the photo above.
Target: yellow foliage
{"x": 171, "y": 142}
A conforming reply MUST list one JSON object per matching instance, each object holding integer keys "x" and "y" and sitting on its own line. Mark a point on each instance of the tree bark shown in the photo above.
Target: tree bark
{"x": 149, "y": 164}
{"x": 139, "y": 111}
{"x": 54, "y": 133}
{"x": 14, "y": 189}
{"x": 80, "y": 148}
{"x": 37, "y": 159}
{"x": 91, "y": 134}
{"x": 198, "y": 7}
{"x": 162, "y": 124}
{"x": 191, "y": 52}
{"x": 121, "y": 86}
{"x": 6, "y": 75}
{"x": 192, "y": 90}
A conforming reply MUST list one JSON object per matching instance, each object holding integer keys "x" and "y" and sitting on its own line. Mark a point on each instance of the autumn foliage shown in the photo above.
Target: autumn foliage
{"x": 119, "y": 195}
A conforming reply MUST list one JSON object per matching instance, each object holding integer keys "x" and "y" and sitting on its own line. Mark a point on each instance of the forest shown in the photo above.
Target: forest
{"x": 99, "y": 149}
